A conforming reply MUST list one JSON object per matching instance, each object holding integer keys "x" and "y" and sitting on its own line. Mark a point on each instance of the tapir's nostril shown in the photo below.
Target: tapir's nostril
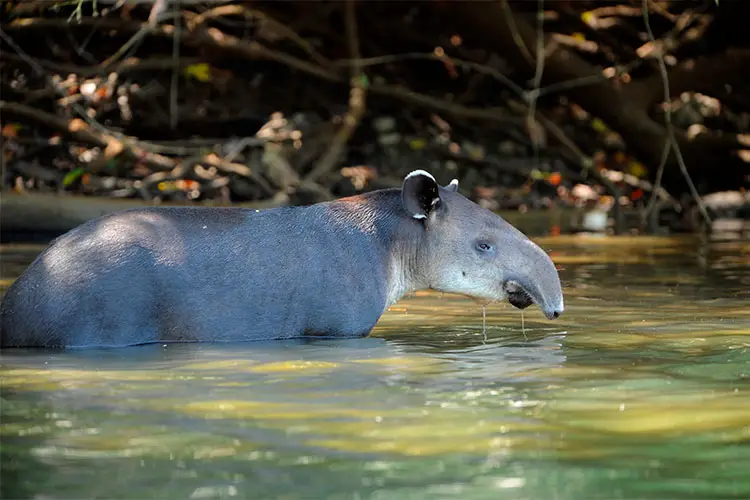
{"x": 553, "y": 314}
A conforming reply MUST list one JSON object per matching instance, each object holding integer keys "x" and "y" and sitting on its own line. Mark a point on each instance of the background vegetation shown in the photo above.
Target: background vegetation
{"x": 616, "y": 106}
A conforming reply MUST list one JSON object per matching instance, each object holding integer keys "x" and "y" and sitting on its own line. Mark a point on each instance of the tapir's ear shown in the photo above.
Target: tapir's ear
{"x": 453, "y": 186}
{"x": 420, "y": 194}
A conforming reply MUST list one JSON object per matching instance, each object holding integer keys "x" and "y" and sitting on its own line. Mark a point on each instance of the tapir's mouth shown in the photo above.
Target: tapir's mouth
{"x": 520, "y": 299}
{"x": 517, "y": 296}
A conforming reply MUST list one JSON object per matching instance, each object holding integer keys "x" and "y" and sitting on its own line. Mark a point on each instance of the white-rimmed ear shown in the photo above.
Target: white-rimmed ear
{"x": 420, "y": 194}
{"x": 453, "y": 186}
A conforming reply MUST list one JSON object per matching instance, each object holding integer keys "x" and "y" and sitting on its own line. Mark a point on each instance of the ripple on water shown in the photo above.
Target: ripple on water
{"x": 641, "y": 390}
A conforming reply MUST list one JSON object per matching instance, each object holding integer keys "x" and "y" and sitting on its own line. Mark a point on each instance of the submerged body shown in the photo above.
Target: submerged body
{"x": 229, "y": 274}
{"x": 186, "y": 274}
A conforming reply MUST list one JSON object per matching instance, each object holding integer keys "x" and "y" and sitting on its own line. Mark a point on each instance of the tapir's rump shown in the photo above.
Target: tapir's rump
{"x": 228, "y": 274}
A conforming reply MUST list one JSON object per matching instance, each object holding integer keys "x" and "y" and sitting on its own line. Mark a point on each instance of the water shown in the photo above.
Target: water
{"x": 640, "y": 391}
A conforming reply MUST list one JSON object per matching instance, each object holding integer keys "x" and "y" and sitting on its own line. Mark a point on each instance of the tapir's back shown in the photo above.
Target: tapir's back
{"x": 198, "y": 274}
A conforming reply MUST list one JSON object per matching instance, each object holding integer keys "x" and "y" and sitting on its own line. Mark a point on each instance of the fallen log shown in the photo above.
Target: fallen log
{"x": 41, "y": 217}
{"x": 21, "y": 215}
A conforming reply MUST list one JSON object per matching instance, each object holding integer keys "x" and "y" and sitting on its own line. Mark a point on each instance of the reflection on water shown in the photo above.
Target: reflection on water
{"x": 641, "y": 390}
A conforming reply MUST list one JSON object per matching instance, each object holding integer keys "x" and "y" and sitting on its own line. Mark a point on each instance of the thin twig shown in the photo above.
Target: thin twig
{"x": 175, "y": 80}
{"x": 668, "y": 121}
{"x": 129, "y": 65}
{"x": 511, "y": 22}
{"x": 585, "y": 81}
{"x": 281, "y": 28}
{"x": 657, "y": 183}
{"x": 533, "y": 95}
{"x": 144, "y": 30}
{"x": 80, "y": 48}
{"x": 357, "y": 97}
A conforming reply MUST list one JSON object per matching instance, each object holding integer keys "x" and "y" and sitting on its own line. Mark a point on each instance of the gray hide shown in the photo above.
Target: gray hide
{"x": 230, "y": 274}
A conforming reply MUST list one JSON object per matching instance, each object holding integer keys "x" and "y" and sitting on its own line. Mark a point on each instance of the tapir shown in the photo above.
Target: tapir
{"x": 211, "y": 274}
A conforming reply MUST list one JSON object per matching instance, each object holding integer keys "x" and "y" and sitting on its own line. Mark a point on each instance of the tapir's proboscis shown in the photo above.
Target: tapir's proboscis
{"x": 210, "y": 274}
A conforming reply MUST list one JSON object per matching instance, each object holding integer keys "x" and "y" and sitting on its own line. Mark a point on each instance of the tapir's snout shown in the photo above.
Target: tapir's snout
{"x": 553, "y": 314}
{"x": 524, "y": 292}
{"x": 534, "y": 280}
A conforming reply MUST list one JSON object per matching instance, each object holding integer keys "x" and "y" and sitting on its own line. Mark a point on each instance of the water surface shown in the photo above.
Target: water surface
{"x": 641, "y": 390}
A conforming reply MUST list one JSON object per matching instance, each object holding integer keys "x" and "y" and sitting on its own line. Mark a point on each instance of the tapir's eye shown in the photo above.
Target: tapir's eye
{"x": 484, "y": 247}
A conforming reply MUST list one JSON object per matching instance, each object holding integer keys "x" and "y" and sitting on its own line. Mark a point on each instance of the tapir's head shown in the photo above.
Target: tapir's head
{"x": 469, "y": 250}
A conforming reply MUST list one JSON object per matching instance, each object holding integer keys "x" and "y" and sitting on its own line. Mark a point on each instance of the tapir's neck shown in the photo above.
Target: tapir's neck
{"x": 380, "y": 216}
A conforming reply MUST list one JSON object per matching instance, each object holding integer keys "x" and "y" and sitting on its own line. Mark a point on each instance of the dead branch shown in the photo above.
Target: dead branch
{"x": 625, "y": 103}
{"x": 216, "y": 39}
{"x": 47, "y": 212}
{"x": 112, "y": 147}
{"x": 229, "y": 167}
{"x": 79, "y": 130}
{"x": 211, "y": 38}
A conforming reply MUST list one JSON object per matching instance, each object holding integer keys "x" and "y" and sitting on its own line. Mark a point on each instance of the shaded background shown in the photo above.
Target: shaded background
{"x": 275, "y": 103}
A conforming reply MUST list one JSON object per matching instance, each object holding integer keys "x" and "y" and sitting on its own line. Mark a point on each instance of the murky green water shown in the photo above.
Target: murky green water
{"x": 640, "y": 391}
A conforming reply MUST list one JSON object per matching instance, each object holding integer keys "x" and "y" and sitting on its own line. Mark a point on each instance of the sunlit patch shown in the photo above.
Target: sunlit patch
{"x": 599, "y": 259}
{"x": 262, "y": 410}
{"x": 663, "y": 420}
{"x": 293, "y": 366}
{"x": 223, "y": 364}
{"x": 23, "y": 375}
{"x": 405, "y": 364}
{"x": 625, "y": 241}
{"x": 409, "y": 361}
{"x": 510, "y": 482}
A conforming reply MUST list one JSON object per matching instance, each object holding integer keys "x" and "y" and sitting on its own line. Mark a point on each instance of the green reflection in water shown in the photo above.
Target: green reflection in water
{"x": 641, "y": 390}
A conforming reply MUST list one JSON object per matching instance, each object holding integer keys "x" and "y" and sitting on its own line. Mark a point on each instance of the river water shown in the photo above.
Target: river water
{"x": 641, "y": 390}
